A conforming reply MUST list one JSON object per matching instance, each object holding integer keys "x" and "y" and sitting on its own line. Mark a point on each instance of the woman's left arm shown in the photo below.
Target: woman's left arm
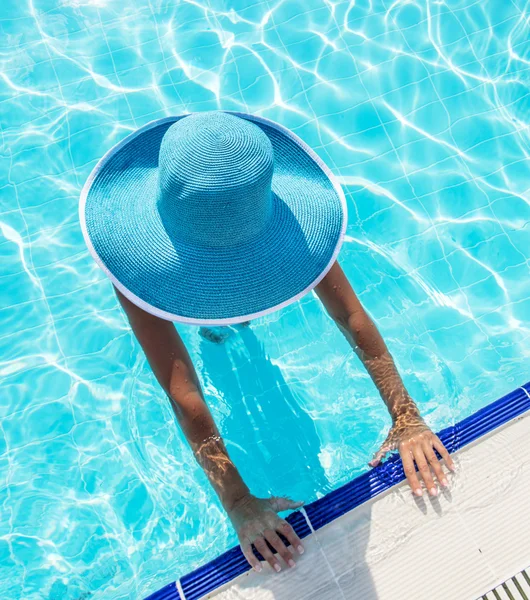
{"x": 409, "y": 433}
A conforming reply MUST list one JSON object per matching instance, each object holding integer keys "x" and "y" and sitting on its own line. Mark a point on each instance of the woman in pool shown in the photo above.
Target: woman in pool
{"x": 214, "y": 219}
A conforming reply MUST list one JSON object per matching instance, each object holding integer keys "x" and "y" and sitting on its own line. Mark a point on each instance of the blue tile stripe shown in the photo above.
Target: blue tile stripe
{"x": 232, "y": 563}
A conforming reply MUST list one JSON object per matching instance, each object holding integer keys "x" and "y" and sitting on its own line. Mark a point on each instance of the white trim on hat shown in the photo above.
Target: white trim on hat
{"x": 233, "y": 320}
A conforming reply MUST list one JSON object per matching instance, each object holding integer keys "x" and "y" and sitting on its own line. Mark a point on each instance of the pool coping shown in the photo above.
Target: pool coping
{"x": 313, "y": 516}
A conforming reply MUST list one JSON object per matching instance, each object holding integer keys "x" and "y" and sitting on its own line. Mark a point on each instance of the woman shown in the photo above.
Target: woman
{"x": 214, "y": 219}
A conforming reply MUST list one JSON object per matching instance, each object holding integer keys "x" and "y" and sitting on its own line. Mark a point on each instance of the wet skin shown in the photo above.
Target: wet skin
{"x": 256, "y": 520}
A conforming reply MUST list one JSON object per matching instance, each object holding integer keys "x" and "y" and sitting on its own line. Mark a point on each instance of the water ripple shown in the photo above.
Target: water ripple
{"x": 419, "y": 107}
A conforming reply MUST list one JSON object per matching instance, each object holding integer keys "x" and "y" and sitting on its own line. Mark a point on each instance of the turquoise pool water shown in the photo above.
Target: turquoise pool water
{"x": 419, "y": 107}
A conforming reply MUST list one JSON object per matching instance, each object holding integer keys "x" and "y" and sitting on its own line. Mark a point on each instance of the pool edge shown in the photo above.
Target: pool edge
{"x": 231, "y": 564}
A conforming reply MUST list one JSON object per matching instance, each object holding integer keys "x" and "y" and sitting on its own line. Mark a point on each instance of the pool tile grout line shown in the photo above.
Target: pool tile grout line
{"x": 318, "y": 513}
{"x": 180, "y": 590}
{"x": 328, "y": 564}
{"x": 303, "y": 511}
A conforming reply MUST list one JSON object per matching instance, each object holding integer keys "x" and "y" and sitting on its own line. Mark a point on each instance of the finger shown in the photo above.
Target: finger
{"x": 378, "y": 457}
{"x": 443, "y": 453}
{"x": 286, "y": 530}
{"x": 275, "y": 541}
{"x": 424, "y": 469}
{"x": 263, "y": 549}
{"x": 246, "y": 548}
{"x": 279, "y": 504}
{"x": 435, "y": 464}
{"x": 410, "y": 471}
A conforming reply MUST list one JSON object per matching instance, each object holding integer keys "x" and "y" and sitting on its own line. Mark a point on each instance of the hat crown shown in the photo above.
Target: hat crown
{"x": 215, "y": 175}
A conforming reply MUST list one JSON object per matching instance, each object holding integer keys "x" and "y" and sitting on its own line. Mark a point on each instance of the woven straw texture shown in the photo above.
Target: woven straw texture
{"x": 213, "y": 217}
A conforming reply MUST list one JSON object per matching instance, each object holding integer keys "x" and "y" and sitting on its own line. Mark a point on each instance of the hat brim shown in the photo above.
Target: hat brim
{"x": 212, "y": 286}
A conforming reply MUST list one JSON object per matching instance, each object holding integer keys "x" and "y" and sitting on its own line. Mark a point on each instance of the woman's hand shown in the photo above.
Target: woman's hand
{"x": 416, "y": 444}
{"x": 255, "y": 520}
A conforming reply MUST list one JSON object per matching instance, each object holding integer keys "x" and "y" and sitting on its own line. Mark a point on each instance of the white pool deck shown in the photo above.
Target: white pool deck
{"x": 457, "y": 546}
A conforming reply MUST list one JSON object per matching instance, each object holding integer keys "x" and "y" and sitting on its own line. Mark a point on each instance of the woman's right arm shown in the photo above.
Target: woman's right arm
{"x": 253, "y": 518}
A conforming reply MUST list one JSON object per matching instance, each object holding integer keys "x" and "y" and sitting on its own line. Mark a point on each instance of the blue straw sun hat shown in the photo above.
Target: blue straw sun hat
{"x": 213, "y": 218}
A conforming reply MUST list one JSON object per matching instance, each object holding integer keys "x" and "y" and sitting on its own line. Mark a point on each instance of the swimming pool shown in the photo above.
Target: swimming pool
{"x": 421, "y": 110}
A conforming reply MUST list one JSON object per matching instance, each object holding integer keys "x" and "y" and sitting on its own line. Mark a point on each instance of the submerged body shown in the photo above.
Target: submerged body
{"x": 215, "y": 219}
{"x": 256, "y": 520}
